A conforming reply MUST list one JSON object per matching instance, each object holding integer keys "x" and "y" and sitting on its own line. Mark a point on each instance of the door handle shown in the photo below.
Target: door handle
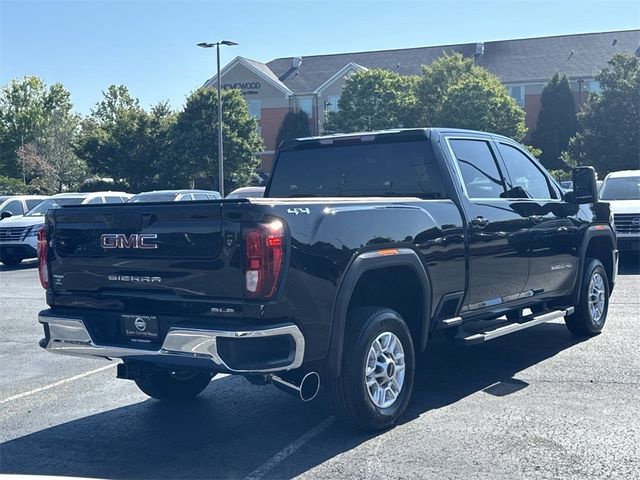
{"x": 536, "y": 218}
{"x": 480, "y": 222}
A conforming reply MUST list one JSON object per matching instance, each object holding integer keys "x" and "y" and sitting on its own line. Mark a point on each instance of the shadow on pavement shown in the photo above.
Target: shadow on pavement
{"x": 24, "y": 265}
{"x": 629, "y": 263}
{"x": 236, "y": 427}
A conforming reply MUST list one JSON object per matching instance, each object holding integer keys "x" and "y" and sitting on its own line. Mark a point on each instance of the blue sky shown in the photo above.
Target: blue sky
{"x": 150, "y": 45}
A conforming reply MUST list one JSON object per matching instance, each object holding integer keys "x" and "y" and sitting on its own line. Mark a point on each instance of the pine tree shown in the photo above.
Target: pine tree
{"x": 294, "y": 125}
{"x": 556, "y": 123}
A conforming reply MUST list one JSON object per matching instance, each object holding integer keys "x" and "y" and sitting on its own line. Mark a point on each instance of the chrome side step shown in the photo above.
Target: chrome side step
{"x": 505, "y": 328}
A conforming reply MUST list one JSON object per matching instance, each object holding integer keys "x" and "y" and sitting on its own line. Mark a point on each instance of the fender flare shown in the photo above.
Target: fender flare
{"x": 364, "y": 262}
{"x": 594, "y": 231}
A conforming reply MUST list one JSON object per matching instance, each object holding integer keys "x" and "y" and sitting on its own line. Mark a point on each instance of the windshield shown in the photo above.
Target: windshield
{"x": 43, "y": 207}
{"x": 621, "y": 188}
{"x": 153, "y": 197}
{"x": 400, "y": 168}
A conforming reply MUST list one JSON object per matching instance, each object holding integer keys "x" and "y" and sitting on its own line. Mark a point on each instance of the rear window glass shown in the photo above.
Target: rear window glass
{"x": 395, "y": 169}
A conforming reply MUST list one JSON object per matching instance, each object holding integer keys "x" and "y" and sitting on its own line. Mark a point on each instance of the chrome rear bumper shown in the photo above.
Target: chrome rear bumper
{"x": 69, "y": 336}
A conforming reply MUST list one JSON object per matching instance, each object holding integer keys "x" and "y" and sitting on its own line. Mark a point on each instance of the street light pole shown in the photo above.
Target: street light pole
{"x": 229, "y": 43}
{"x": 220, "y": 149}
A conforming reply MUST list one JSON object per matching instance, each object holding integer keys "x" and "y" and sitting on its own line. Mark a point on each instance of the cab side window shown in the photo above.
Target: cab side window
{"x": 478, "y": 167}
{"x": 113, "y": 199}
{"x": 200, "y": 196}
{"x": 95, "y": 201}
{"x": 525, "y": 174}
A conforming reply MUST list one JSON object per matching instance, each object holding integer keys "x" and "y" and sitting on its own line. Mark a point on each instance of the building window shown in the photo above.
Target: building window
{"x": 332, "y": 103}
{"x": 254, "y": 108}
{"x": 306, "y": 105}
{"x": 517, "y": 93}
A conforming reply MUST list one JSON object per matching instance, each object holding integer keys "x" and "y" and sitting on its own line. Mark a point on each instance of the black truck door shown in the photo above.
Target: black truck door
{"x": 498, "y": 257}
{"x": 553, "y": 228}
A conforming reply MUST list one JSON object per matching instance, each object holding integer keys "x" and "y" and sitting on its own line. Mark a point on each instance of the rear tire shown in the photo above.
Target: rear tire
{"x": 378, "y": 365}
{"x": 173, "y": 385}
{"x": 10, "y": 261}
{"x": 591, "y": 311}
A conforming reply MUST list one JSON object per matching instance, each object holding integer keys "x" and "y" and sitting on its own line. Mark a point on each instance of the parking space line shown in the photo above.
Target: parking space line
{"x": 289, "y": 450}
{"x": 58, "y": 383}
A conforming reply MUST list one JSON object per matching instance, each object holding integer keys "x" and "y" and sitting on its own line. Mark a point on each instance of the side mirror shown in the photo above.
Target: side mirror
{"x": 4, "y": 215}
{"x": 515, "y": 192}
{"x": 585, "y": 189}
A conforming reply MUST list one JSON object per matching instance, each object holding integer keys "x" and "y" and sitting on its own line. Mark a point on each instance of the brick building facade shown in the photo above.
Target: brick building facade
{"x": 314, "y": 83}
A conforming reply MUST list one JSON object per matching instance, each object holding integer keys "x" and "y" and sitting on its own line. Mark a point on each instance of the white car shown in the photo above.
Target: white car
{"x": 16, "y": 205}
{"x": 246, "y": 192}
{"x": 622, "y": 191}
{"x": 18, "y": 234}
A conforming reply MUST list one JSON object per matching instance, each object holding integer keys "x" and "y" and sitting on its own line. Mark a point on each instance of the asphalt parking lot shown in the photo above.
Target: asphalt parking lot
{"x": 536, "y": 404}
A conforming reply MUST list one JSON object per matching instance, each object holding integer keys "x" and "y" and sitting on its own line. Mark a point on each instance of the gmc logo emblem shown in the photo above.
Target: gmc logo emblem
{"x": 136, "y": 240}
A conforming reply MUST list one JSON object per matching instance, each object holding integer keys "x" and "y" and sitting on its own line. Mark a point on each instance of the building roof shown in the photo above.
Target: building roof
{"x": 514, "y": 61}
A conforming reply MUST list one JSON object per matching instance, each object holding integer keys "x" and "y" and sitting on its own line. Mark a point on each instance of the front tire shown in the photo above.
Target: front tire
{"x": 173, "y": 385}
{"x": 591, "y": 311}
{"x": 378, "y": 366}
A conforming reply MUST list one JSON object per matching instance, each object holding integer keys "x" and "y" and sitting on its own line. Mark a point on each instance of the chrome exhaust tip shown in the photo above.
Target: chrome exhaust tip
{"x": 305, "y": 387}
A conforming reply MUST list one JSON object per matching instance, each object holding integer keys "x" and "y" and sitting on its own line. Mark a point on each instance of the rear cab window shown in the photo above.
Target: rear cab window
{"x": 478, "y": 168}
{"x": 378, "y": 168}
{"x": 524, "y": 174}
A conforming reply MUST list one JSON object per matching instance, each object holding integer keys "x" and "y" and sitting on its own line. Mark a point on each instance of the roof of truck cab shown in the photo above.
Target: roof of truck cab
{"x": 398, "y": 131}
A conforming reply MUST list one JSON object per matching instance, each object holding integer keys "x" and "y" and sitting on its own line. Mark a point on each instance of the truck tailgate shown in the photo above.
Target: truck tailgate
{"x": 169, "y": 250}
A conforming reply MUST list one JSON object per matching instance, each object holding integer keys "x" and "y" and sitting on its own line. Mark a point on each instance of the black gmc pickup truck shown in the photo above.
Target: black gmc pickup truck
{"x": 364, "y": 247}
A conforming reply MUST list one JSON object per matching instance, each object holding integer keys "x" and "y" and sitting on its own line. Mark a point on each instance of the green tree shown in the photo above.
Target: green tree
{"x": 51, "y": 159}
{"x": 454, "y": 92}
{"x": 556, "y": 123}
{"x": 609, "y": 124}
{"x": 26, "y": 107}
{"x": 13, "y": 186}
{"x": 294, "y": 125}
{"x": 122, "y": 141}
{"x": 373, "y": 100}
{"x": 194, "y": 140}
{"x": 109, "y": 134}
{"x": 481, "y": 104}
{"x": 435, "y": 81}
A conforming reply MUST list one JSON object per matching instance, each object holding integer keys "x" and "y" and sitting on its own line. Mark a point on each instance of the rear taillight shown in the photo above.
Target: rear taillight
{"x": 264, "y": 255}
{"x": 43, "y": 270}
